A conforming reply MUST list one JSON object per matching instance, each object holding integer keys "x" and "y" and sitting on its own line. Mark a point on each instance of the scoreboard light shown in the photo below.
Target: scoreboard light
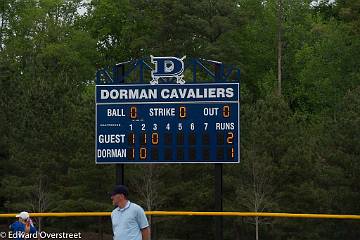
{"x": 167, "y": 123}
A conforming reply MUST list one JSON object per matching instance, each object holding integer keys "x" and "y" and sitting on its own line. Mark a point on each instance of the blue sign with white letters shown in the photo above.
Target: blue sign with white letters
{"x": 167, "y": 123}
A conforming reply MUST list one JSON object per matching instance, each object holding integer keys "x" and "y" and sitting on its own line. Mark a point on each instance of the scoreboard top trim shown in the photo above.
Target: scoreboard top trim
{"x": 194, "y": 92}
{"x": 173, "y": 84}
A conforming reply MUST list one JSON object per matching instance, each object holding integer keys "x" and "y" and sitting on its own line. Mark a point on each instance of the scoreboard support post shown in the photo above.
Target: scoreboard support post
{"x": 218, "y": 200}
{"x": 119, "y": 174}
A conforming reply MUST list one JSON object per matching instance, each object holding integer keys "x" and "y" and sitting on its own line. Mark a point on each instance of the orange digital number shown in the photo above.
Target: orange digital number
{"x": 142, "y": 153}
{"x": 133, "y": 112}
{"x": 155, "y": 138}
{"x": 182, "y": 112}
{"x": 132, "y": 138}
{"x": 226, "y": 111}
{"x": 132, "y": 153}
{"x": 230, "y": 138}
{"x": 143, "y": 138}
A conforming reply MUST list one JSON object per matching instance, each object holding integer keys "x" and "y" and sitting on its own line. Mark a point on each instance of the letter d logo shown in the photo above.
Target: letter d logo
{"x": 167, "y": 67}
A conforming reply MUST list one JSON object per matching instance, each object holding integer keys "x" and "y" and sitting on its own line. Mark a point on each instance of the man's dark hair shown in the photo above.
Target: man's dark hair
{"x": 120, "y": 189}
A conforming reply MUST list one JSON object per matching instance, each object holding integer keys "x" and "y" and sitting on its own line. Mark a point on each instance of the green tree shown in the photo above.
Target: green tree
{"x": 340, "y": 153}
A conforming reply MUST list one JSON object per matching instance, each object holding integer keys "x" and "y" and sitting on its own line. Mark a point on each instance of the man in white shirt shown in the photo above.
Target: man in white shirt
{"x": 129, "y": 221}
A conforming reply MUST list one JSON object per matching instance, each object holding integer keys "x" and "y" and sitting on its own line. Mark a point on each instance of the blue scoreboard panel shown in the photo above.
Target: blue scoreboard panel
{"x": 167, "y": 123}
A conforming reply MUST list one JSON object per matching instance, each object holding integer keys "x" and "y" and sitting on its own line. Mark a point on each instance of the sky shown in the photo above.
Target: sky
{"x": 83, "y": 10}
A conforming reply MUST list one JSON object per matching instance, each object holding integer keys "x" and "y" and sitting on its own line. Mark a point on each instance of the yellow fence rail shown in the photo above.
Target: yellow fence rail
{"x": 182, "y": 213}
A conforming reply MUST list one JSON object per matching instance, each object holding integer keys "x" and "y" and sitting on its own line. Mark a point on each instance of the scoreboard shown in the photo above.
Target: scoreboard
{"x": 167, "y": 123}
